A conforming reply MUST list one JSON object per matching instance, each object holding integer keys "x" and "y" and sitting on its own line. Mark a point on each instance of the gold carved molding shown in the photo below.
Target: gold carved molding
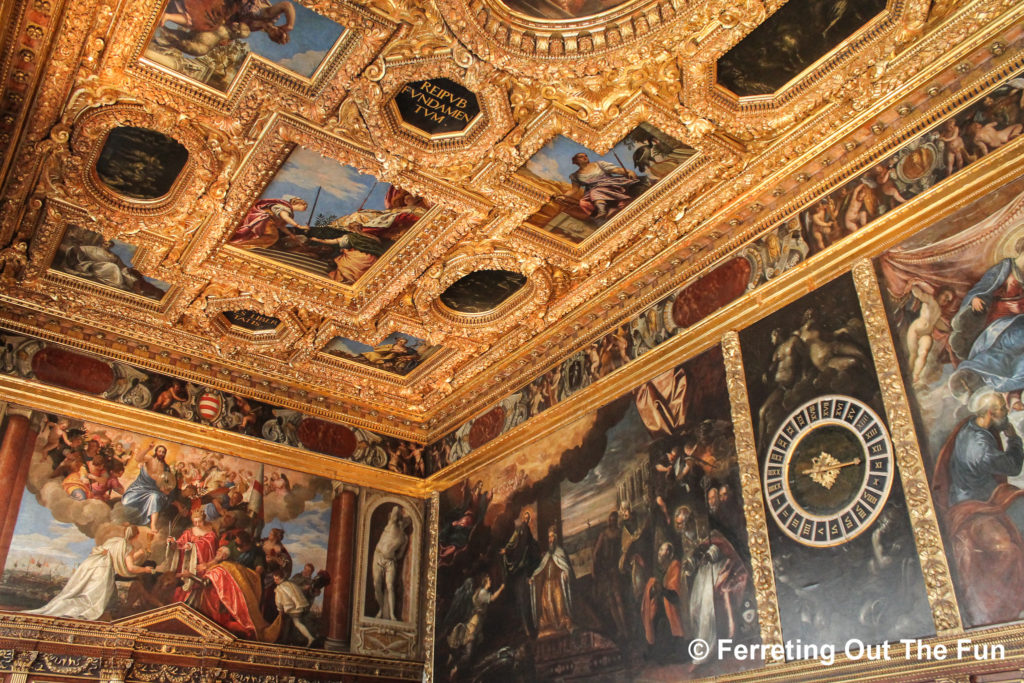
{"x": 753, "y": 504}
{"x": 925, "y": 524}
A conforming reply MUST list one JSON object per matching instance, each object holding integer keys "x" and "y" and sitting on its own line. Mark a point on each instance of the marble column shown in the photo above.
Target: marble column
{"x": 16, "y": 446}
{"x": 337, "y": 617}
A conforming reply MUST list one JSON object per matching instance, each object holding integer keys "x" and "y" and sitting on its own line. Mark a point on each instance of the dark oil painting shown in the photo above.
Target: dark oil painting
{"x": 561, "y": 9}
{"x": 818, "y": 347}
{"x": 587, "y": 189}
{"x": 604, "y": 548}
{"x": 789, "y": 41}
{"x": 955, "y": 301}
{"x": 399, "y": 353}
{"x": 90, "y": 256}
{"x": 482, "y": 290}
{"x": 140, "y": 163}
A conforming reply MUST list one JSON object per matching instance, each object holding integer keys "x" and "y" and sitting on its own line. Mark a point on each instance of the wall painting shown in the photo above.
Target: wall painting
{"x": 954, "y": 298}
{"x": 113, "y": 523}
{"x": 604, "y": 547}
{"x": 838, "y": 525}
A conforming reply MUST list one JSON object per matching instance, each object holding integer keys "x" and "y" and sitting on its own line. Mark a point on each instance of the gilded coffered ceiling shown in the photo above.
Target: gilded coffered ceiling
{"x": 392, "y": 214}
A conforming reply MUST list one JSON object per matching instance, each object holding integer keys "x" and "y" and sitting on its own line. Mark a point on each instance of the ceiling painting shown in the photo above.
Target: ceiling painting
{"x": 561, "y": 9}
{"x": 792, "y": 39}
{"x": 140, "y": 163}
{"x": 482, "y": 290}
{"x": 586, "y": 189}
{"x": 90, "y": 256}
{"x": 209, "y": 40}
{"x": 398, "y": 353}
{"x": 325, "y": 218}
{"x": 279, "y": 257}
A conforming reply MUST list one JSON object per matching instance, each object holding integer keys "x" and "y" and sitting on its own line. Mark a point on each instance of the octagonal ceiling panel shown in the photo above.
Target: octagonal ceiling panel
{"x": 790, "y": 41}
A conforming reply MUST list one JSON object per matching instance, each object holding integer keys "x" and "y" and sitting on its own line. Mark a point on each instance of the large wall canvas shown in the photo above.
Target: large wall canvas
{"x": 113, "y": 523}
{"x": 841, "y": 542}
{"x": 603, "y": 548}
{"x": 954, "y": 296}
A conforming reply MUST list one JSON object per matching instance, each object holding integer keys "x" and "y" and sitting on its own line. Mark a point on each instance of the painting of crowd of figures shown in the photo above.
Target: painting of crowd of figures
{"x": 604, "y": 546}
{"x": 113, "y": 523}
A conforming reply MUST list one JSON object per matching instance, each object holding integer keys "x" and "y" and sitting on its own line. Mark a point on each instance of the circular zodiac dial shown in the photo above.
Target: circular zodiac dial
{"x": 829, "y": 471}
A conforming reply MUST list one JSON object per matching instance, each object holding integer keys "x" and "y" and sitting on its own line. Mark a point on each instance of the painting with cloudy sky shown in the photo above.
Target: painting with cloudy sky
{"x": 209, "y": 40}
{"x": 326, "y": 218}
{"x": 585, "y": 193}
{"x": 92, "y": 509}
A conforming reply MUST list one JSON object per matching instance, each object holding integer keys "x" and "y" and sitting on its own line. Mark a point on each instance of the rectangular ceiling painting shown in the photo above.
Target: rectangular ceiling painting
{"x": 209, "y": 40}
{"x": 326, "y": 218}
{"x": 586, "y": 189}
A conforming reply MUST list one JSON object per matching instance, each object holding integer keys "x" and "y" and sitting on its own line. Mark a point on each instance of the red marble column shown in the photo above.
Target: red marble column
{"x": 15, "y": 457}
{"x": 337, "y": 616}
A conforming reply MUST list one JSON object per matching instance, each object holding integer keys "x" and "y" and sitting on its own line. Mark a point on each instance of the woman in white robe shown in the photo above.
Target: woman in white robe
{"x": 90, "y": 588}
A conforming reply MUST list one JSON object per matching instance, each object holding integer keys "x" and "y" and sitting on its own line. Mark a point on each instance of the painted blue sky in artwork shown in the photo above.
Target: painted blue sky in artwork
{"x": 554, "y": 160}
{"x": 344, "y": 188}
{"x": 126, "y": 253}
{"x": 305, "y": 536}
{"x": 311, "y": 40}
{"x": 38, "y": 535}
{"x": 353, "y": 347}
{"x": 594, "y": 496}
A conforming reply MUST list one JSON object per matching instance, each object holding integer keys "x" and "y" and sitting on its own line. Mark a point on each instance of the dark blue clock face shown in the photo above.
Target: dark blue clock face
{"x": 829, "y": 471}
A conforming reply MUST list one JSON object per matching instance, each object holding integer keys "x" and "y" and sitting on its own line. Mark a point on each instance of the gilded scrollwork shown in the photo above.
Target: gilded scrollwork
{"x": 530, "y": 300}
{"x": 753, "y": 505}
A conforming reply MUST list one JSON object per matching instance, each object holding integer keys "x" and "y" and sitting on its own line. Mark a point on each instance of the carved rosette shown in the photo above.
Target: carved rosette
{"x": 930, "y": 549}
{"x": 527, "y": 306}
